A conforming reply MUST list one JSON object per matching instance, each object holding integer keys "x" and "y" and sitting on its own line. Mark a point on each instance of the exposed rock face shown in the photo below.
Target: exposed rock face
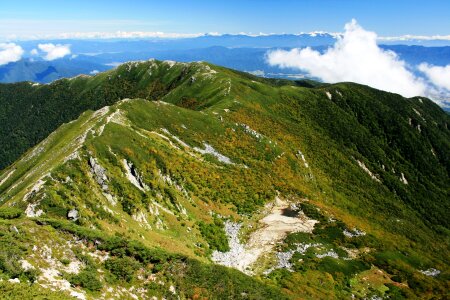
{"x": 133, "y": 176}
{"x": 32, "y": 212}
{"x": 403, "y": 179}
{"x": 14, "y": 229}
{"x": 432, "y": 272}
{"x": 99, "y": 173}
{"x": 73, "y": 215}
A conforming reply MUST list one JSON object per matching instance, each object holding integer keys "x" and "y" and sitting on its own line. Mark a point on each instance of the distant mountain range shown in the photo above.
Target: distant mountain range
{"x": 240, "y": 52}
{"x": 47, "y": 71}
{"x": 250, "y": 59}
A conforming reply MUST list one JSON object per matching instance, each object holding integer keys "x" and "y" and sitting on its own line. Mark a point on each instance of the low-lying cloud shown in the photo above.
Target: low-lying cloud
{"x": 10, "y": 52}
{"x": 53, "y": 51}
{"x": 437, "y": 75}
{"x": 354, "y": 57}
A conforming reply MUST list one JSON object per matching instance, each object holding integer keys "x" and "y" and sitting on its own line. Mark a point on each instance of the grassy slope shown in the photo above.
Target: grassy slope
{"x": 31, "y": 112}
{"x": 357, "y": 123}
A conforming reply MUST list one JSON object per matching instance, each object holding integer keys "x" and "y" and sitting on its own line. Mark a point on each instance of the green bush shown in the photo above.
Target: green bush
{"x": 312, "y": 212}
{"x": 345, "y": 267}
{"x": 9, "y": 265}
{"x": 9, "y": 260}
{"x": 12, "y": 291}
{"x": 207, "y": 281}
{"x": 80, "y": 231}
{"x": 330, "y": 233}
{"x": 122, "y": 268}
{"x": 214, "y": 235}
{"x": 10, "y": 213}
{"x": 88, "y": 279}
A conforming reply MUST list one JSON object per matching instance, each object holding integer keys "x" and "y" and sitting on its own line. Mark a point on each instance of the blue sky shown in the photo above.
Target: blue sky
{"x": 386, "y": 17}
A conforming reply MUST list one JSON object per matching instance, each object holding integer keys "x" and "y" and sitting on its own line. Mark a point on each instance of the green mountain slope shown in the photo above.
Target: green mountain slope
{"x": 31, "y": 111}
{"x": 322, "y": 190}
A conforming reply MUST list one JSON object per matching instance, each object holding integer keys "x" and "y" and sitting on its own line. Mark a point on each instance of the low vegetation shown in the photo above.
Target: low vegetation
{"x": 133, "y": 196}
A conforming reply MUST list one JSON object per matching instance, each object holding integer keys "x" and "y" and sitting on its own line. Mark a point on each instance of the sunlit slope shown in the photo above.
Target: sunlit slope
{"x": 221, "y": 144}
{"x": 31, "y": 111}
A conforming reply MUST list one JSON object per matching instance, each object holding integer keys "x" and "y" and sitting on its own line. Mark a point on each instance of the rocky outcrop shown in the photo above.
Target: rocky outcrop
{"x": 73, "y": 215}
{"x": 133, "y": 176}
{"x": 99, "y": 173}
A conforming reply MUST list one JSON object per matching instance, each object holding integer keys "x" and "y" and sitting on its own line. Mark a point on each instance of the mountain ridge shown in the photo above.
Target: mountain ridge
{"x": 368, "y": 167}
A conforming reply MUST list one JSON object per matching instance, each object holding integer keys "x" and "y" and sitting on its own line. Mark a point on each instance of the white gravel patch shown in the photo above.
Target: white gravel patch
{"x": 210, "y": 150}
{"x": 26, "y": 265}
{"x": 432, "y": 272}
{"x": 330, "y": 253}
{"x": 353, "y": 233}
{"x": 251, "y": 131}
{"x": 50, "y": 276}
{"x": 283, "y": 258}
{"x": 372, "y": 175}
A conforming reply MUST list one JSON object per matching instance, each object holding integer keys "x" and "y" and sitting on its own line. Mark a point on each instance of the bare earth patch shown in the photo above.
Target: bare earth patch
{"x": 275, "y": 227}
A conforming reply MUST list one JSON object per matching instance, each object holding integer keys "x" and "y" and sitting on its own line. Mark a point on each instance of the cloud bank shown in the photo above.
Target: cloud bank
{"x": 438, "y": 76}
{"x": 10, "y": 52}
{"x": 53, "y": 51}
{"x": 354, "y": 57}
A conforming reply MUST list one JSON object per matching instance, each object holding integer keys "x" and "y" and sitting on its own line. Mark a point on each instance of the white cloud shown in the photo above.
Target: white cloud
{"x": 34, "y": 52}
{"x": 439, "y": 76}
{"x": 54, "y": 51}
{"x": 114, "y": 64}
{"x": 354, "y": 57}
{"x": 260, "y": 73}
{"x": 10, "y": 52}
